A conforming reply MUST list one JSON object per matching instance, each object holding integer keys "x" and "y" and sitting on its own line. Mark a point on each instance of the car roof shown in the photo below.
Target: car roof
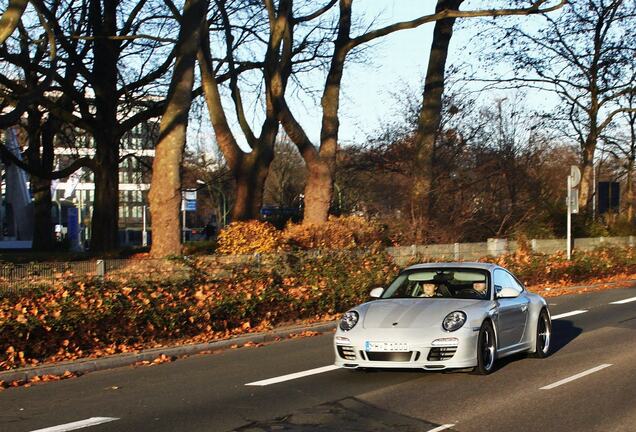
{"x": 466, "y": 265}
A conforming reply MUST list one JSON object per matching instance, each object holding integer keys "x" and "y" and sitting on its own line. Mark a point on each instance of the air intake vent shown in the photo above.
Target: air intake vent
{"x": 441, "y": 353}
{"x": 346, "y": 352}
{"x": 390, "y": 356}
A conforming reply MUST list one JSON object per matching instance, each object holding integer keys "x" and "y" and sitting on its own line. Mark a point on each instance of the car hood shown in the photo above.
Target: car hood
{"x": 413, "y": 313}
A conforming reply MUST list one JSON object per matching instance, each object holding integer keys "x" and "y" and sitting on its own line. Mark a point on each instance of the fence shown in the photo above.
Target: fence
{"x": 497, "y": 247}
{"x": 17, "y": 277}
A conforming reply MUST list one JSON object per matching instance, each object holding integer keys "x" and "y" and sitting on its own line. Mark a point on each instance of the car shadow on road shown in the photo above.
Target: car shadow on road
{"x": 563, "y": 332}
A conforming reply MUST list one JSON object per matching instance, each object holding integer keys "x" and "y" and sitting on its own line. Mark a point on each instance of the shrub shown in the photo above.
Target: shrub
{"x": 242, "y": 238}
{"x": 92, "y": 317}
{"x": 345, "y": 232}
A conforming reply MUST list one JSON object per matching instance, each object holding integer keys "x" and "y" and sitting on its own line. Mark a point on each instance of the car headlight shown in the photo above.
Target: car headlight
{"x": 349, "y": 320}
{"x": 454, "y": 321}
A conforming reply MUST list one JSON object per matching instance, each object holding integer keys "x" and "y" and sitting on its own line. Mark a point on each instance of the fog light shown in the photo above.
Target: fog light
{"x": 445, "y": 342}
{"x": 340, "y": 339}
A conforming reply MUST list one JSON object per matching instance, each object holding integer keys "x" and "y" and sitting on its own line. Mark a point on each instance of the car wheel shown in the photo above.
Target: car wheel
{"x": 543, "y": 336}
{"x": 486, "y": 349}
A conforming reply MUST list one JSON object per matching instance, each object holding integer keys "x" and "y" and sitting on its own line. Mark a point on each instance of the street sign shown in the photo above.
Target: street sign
{"x": 190, "y": 195}
{"x": 574, "y": 201}
{"x": 575, "y": 173}
{"x": 190, "y": 205}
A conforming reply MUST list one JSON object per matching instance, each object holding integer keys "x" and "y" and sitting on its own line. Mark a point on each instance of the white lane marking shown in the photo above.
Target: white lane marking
{"x": 293, "y": 376}
{"x": 93, "y": 421}
{"x": 442, "y": 427}
{"x": 575, "y": 377}
{"x": 568, "y": 314}
{"x": 624, "y": 301}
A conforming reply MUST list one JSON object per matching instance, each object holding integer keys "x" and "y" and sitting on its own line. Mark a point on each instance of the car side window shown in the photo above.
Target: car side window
{"x": 513, "y": 283}
{"x": 500, "y": 279}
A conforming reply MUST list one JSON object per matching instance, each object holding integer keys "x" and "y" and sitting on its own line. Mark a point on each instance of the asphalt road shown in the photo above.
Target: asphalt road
{"x": 209, "y": 392}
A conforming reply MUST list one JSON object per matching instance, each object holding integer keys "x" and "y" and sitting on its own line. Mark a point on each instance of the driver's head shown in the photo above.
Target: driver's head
{"x": 428, "y": 290}
{"x": 480, "y": 287}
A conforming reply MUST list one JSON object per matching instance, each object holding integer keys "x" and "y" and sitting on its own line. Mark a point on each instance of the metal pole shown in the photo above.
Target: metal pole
{"x": 569, "y": 227}
{"x": 144, "y": 232}
{"x": 79, "y": 219}
{"x": 594, "y": 191}
{"x": 183, "y": 223}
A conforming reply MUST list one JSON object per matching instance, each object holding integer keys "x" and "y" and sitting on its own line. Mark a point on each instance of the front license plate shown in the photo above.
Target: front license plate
{"x": 385, "y": 346}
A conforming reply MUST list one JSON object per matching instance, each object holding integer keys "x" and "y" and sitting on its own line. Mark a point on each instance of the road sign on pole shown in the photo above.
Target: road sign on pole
{"x": 572, "y": 203}
{"x": 190, "y": 205}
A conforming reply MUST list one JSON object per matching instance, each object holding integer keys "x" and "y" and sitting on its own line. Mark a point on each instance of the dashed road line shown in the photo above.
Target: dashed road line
{"x": 568, "y": 314}
{"x": 293, "y": 376}
{"x": 628, "y": 300}
{"x": 93, "y": 421}
{"x": 442, "y": 427}
{"x": 575, "y": 377}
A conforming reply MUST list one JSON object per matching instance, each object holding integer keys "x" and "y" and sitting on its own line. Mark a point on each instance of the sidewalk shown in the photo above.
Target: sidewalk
{"x": 82, "y": 366}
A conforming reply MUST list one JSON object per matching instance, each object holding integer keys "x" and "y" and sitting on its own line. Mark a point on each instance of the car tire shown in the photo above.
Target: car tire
{"x": 543, "y": 336}
{"x": 486, "y": 349}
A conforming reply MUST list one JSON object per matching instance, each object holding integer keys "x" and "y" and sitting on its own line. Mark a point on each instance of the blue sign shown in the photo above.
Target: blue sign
{"x": 73, "y": 225}
{"x": 190, "y": 205}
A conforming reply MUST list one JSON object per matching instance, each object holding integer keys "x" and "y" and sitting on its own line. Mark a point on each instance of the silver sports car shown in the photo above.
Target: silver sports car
{"x": 439, "y": 316}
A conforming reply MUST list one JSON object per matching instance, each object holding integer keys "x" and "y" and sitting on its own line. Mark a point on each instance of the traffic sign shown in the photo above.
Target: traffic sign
{"x": 190, "y": 205}
{"x": 575, "y": 173}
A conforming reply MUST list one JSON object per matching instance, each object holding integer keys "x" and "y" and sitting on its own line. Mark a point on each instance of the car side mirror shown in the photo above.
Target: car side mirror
{"x": 376, "y": 292}
{"x": 507, "y": 292}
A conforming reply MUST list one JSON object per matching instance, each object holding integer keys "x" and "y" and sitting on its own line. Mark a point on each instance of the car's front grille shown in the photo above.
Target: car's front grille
{"x": 441, "y": 353}
{"x": 346, "y": 352}
{"x": 390, "y": 356}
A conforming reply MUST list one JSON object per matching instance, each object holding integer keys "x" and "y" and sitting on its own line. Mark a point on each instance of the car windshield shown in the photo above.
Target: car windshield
{"x": 440, "y": 283}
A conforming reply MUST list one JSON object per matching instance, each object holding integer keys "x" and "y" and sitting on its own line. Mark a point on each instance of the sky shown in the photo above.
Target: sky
{"x": 370, "y": 90}
{"x": 396, "y": 62}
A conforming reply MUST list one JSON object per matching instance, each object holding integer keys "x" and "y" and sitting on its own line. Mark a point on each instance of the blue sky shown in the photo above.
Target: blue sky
{"x": 394, "y": 63}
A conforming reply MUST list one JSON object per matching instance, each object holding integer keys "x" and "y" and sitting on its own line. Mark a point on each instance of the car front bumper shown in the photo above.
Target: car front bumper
{"x": 432, "y": 351}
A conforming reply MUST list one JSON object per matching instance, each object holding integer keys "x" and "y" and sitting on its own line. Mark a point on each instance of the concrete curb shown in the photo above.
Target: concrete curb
{"x": 127, "y": 359}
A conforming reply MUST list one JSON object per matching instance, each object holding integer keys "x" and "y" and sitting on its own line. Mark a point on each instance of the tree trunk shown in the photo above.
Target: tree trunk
{"x": 105, "y": 221}
{"x": 39, "y": 155}
{"x": 43, "y": 239}
{"x": 321, "y": 164}
{"x": 318, "y": 191}
{"x": 250, "y": 180}
{"x": 165, "y": 190}
{"x": 629, "y": 194}
{"x": 587, "y": 173}
{"x": 430, "y": 115}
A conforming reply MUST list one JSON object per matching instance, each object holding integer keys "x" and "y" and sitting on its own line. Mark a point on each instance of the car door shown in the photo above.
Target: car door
{"x": 513, "y": 312}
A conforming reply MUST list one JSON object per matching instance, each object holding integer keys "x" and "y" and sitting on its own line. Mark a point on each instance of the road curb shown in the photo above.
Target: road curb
{"x": 119, "y": 360}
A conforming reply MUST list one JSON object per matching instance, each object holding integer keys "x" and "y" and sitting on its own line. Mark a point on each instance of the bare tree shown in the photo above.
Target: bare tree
{"x": 622, "y": 146}
{"x": 320, "y": 160}
{"x": 11, "y": 18}
{"x": 250, "y": 168}
{"x": 165, "y": 192}
{"x": 107, "y": 98}
{"x": 583, "y": 55}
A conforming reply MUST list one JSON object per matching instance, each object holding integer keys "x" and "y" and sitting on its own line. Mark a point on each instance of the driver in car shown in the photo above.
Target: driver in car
{"x": 428, "y": 290}
{"x": 480, "y": 287}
